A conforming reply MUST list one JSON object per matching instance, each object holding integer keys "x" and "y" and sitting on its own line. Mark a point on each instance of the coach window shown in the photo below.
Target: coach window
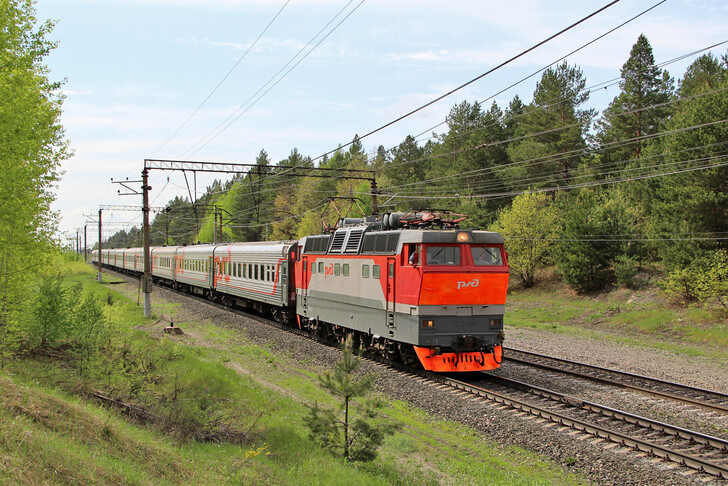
{"x": 365, "y": 271}
{"x": 337, "y": 269}
{"x": 313, "y": 268}
{"x": 376, "y": 271}
{"x": 345, "y": 269}
{"x": 391, "y": 270}
{"x": 321, "y": 267}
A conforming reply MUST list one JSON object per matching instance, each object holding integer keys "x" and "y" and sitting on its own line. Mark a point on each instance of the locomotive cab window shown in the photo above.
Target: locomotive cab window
{"x": 486, "y": 255}
{"x": 443, "y": 255}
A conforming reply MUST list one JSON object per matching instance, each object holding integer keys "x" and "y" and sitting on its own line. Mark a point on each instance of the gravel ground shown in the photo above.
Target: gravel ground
{"x": 583, "y": 455}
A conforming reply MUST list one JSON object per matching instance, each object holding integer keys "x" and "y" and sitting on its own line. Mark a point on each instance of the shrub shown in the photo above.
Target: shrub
{"x": 680, "y": 286}
{"x": 712, "y": 283}
{"x": 356, "y": 440}
{"x": 625, "y": 271}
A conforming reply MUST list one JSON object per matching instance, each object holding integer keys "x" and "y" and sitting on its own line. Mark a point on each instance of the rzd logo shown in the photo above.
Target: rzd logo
{"x": 474, "y": 283}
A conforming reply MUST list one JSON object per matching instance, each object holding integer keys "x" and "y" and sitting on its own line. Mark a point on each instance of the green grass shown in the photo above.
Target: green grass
{"x": 52, "y": 436}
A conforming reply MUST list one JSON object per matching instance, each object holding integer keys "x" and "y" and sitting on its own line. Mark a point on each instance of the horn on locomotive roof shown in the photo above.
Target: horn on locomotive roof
{"x": 425, "y": 218}
{"x": 441, "y": 218}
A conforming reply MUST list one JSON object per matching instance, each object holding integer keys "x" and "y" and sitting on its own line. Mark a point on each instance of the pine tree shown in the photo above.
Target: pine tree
{"x": 354, "y": 436}
{"x": 551, "y": 131}
{"x": 638, "y": 111}
{"x": 694, "y": 200}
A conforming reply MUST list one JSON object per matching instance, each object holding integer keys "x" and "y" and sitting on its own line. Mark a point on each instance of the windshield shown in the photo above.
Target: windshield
{"x": 486, "y": 255}
{"x": 443, "y": 255}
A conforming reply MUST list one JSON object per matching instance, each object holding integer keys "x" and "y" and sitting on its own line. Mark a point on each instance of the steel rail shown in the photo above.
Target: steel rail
{"x": 676, "y": 387}
{"x": 683, "y": 458}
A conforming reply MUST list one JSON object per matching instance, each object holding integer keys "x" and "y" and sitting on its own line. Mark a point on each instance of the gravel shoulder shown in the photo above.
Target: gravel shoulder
{"x": 691, "y": 370}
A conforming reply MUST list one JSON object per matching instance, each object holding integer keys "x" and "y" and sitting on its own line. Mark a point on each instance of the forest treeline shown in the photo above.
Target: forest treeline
{"x": 597, "y": 195}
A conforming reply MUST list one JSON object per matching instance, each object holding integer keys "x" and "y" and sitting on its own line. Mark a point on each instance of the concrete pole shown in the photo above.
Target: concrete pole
{"x": 147, "y": 278}
{"x": 100, "y": 259}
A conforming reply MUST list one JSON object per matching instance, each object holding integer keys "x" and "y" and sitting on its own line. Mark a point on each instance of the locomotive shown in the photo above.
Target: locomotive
{"x": 409, "y": 286}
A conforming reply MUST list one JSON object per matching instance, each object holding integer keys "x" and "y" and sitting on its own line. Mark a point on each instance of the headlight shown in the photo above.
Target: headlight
{"x": 463, "y": 237}
{"x": 428, "y": 323}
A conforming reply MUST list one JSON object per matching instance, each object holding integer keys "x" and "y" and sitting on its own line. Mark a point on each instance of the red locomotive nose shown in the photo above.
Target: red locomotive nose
{"x": 464, "y": 288}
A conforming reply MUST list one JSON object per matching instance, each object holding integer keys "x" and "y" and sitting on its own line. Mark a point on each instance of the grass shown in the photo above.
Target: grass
{"x": 50, "y": 435}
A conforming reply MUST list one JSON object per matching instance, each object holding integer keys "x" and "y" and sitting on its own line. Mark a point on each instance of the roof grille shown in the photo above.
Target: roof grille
{"x": 338, "y": 241}
{"x": 352, "y": 243}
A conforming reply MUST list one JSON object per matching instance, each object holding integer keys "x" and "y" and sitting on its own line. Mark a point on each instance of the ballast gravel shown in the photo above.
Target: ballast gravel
{"x": 600, "y": 462}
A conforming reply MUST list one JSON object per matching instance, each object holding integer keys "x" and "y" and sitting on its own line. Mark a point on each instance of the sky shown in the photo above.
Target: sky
{"x": 136, "y": 70}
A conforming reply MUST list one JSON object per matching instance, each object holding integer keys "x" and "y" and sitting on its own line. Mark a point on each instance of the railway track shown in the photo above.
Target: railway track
{"x": 699, "y": 452}
{"x": 709, "y": 399}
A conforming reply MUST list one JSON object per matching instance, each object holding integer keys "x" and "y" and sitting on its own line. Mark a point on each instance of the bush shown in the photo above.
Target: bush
{"x": 356, "y": 440}
{"x": 704, "y": 280}
{"x": 586, "y": 252}
{"x": 625, "y": 271}
{"x": 53, "y": 311}
{"x": 680, "y": 286}
{"x": 528, "y": 227}
{"x": 712, "y": 283}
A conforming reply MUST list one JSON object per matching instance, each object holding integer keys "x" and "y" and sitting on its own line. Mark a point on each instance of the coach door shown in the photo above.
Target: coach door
{"x": 305, "y": 283}
{"x": 391, "y": 297}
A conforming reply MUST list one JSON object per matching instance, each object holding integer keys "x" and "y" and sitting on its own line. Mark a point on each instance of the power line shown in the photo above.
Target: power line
{"x": 221, "y": 81}
{"x": 477, "y": 78}
{"x": 583, "y": 46}
{"x": 545, "y": 158}
{"x": 241, "y": 113}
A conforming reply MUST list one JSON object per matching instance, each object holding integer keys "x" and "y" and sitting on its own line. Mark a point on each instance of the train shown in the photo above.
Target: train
{"x": 408, "y": 286}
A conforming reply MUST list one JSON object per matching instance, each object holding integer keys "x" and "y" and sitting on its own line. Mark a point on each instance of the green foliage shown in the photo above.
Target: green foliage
{"x": 31, "y": 149}
{"x": 356, "y": 439}
{"x": 53, "y": 312}
{"x": 625, "y": 271}
{"x": 551, "y": 131}
{"x": 680, "y": 285}
{"x": 528, "y": 227}
{"x": 692, "y": 202}
{"x": 638, "y": 110}
{"x": 585, "y": 252}
{"x": 713, "y": 282}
